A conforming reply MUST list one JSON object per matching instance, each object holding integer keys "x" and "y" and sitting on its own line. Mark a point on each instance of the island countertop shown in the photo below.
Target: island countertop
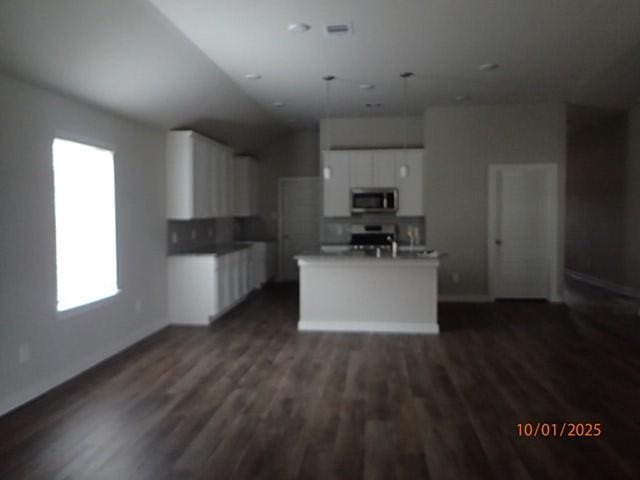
{"x": 360, "y": 257}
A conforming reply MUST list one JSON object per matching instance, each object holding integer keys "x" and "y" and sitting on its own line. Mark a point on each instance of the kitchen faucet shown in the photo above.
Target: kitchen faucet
{"x": 394, "y": 246}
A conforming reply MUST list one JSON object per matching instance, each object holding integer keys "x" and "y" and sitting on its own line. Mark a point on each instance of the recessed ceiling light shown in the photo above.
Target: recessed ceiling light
{"x": 278, "y": 104}
{"x": 367, "y": 86}
{"x": 487, "y": 67}
{"x": 299, "y": 27}
{"x": 462, "y": 98}
{"x": 253, "y": 76}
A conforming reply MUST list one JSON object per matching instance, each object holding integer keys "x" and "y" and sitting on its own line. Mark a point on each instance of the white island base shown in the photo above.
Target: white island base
{"x": 368, "y": 294}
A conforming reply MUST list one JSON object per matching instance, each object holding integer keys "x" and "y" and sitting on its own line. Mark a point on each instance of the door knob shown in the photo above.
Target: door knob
{"x": 498, "y": 242}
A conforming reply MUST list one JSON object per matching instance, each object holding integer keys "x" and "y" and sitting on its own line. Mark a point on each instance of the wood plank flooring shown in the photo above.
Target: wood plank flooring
{"x": 251, "y": 398}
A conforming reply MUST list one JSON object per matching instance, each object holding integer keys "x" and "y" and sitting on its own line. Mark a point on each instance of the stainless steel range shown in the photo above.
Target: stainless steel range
{"x": 370, "y": 237}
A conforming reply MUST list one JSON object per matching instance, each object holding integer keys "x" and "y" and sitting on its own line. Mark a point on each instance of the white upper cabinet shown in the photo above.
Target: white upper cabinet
{"x": 346, "y": 169}
{"x": 335, "y": 173}
{"x": 224, "y": 183}
{"x": 372, "y": 168}
{"x": 245, "y": 172}
{"x": 201, "y": 174}
{"x": 384, "y": 174}
{"x": 216, "y": 192}
{"x": 410, "y": 182}
{"x": 254, "y": 192}
{"x": 199, "y": 177}
{"x": 360, "y": 169}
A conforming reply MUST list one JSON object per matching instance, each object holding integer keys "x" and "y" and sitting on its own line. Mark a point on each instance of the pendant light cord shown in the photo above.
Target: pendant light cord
{"x": 405, "y": 78}
{"x": 404, "y": 113}
{"x": 327, "y": 109}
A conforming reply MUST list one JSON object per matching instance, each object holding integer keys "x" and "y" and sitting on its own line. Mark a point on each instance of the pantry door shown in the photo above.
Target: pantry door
{"x": 522, "y": 230}
{"x": 299, "y": 222}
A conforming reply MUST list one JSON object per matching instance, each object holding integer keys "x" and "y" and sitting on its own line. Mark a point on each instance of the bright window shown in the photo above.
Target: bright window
{"x": 85, "y": 210}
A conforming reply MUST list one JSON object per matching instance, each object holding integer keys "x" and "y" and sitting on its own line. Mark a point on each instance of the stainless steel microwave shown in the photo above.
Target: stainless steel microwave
{"x": 374, "y": 200}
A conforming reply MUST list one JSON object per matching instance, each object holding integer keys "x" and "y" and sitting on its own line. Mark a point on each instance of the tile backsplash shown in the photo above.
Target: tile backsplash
{"x": 185, "y": 235}
{"x": 336, "y": 230}
{"x": 250, "y": 228}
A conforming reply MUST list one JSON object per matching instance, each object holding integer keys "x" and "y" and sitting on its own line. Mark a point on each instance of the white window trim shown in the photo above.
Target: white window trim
{"x": 87, "y": 307}
{"x": 113, "y": 297}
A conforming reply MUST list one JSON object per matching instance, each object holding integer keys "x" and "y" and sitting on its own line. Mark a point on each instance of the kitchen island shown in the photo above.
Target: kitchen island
{"x": 361, "y": 292}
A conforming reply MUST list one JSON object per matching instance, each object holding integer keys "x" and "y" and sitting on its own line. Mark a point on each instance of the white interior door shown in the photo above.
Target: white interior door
{"x": 299, "y": 221}
{"x": 522, "y": 226}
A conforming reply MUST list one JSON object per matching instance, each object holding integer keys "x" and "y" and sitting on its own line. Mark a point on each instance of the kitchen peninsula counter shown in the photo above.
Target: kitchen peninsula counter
{"x": 358, "y": 291}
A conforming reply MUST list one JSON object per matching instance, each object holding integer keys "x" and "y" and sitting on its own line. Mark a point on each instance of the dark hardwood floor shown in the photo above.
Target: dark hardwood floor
{"x": 251, "y": 398}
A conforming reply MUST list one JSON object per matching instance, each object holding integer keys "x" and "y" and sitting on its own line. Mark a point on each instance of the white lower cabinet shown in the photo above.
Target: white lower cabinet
{"x": 193, "y": 293}
{"x": 203, "y": 287}
{"x": 222, "y": 281}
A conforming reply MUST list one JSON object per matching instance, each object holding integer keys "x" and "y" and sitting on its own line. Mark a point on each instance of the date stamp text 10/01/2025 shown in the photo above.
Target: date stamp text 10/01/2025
{"x": 560, "y": 430}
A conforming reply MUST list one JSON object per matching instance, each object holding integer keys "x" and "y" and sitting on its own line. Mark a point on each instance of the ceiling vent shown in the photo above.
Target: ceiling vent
{"x": 338, "y": 29}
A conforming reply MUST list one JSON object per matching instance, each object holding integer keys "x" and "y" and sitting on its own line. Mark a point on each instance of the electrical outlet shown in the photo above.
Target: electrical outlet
{"x": 24, "y": 353}
{"x": 193, "y": 234}
{"x": 210, "y": 232}
{"x": 455, "y": 277}
{"x": 174, "y": 237}
{"x": 137, "y": 307}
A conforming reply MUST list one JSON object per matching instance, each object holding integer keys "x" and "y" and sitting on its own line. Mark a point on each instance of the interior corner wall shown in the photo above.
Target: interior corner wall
{"x": 61, "y": 347}
{"x": 596, "y": 193}
{"x": 293, "y": 154}
{"x": 632, "y": 203}
{"x": 460, "y": 143}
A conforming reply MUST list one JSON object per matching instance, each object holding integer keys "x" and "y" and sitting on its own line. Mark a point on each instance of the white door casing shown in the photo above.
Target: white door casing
{"x": 522, "y": 230}
{"x": 299, "y": 226}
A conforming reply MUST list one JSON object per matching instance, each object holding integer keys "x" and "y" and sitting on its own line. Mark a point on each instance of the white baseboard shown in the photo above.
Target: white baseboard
{"x": 382, "y": 327}
{"x": 466, "y": 298}
{"x": 603, "y": 284}
{"x": 21, "y": 397}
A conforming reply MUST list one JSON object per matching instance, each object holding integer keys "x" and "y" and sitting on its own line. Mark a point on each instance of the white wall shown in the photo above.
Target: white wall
{"x": 373, "y": 132}
{"x": 62, "y": 347}
{"x": 460, "y": 143}
{"x": 596, "y": 162}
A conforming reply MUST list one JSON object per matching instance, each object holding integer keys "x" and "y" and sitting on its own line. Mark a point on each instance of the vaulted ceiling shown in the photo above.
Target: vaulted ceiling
{"x": 584, "y": 51}
{"x": 124, "y": 56}
{"x": 182, "y": 63}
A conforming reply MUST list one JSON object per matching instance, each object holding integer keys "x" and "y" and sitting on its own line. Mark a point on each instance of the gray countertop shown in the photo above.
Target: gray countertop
{"x": 216, "y": 250}
{"x": 350, "y": 256}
